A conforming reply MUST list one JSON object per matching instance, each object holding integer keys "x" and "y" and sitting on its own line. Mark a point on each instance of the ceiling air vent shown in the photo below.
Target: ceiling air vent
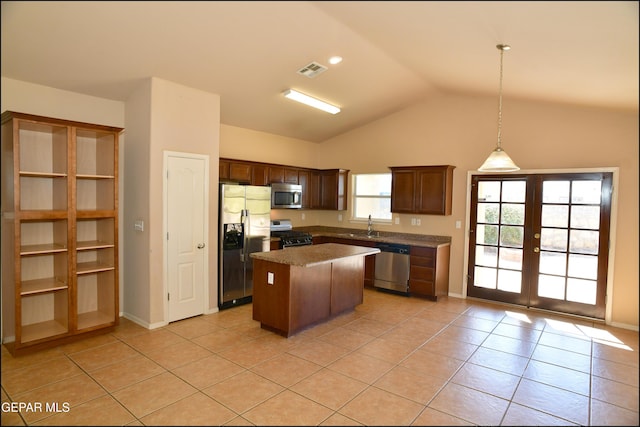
{"x": 312, "y": 70}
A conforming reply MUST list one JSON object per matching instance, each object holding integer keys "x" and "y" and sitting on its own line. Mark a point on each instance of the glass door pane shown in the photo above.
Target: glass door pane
{"x": 568, "y": 258}
{"x": 498, "y": 250}
{"x": 541, "y": 240}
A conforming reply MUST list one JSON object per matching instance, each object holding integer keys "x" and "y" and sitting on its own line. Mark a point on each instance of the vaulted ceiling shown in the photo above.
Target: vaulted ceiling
{"x": 395, "y": 53}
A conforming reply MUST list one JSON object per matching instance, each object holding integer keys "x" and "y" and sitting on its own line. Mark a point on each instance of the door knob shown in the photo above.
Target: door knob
{"x": 201, "y": 245}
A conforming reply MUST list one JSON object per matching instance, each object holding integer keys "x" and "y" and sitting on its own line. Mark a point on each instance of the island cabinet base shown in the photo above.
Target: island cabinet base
{"x": 290, "y": 298}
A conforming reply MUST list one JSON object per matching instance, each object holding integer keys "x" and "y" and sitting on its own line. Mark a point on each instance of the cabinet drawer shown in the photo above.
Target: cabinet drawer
{"x": 423, "y": 261}
{"x": 420, "y": 287}
{"x": 418, "y": 251}
{"x": 417, "y": 272}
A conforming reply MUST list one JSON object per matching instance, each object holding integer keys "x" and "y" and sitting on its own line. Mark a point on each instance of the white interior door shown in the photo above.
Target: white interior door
{"x": 186, "y": 206}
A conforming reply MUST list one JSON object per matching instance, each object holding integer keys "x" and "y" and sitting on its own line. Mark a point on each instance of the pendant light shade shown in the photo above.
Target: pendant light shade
{"x": 499, "y": 160}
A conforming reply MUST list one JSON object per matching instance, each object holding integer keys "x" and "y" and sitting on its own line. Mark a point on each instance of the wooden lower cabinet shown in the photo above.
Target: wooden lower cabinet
{"x": 429, "y": 271}
{"x": 369, "y": 260}
{"x": 299, "y": 297}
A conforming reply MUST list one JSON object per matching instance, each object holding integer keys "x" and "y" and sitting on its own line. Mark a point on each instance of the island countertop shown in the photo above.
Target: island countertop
{"x": 306, "y": 256}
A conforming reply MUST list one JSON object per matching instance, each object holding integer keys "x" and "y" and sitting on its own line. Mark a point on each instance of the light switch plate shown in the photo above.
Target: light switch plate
{"x": 269, "y": 278}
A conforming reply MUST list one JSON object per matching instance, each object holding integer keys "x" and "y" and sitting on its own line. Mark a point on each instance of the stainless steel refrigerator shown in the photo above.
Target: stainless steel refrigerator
{"x": 245, "y": 227}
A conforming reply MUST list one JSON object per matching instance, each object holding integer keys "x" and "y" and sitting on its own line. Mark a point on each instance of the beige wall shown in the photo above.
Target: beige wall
{"x": 158, "y": 116}
{"x": 452, "y": 129}
{"x": 166, "y": 117}
{"x": 247, "y": 144}
{"x": 135, "y": 197}
{"x": 461, "y": 131}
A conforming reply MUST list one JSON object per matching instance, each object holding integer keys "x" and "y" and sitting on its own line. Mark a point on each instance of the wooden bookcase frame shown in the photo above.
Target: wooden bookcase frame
{"x": 59, "y": 230}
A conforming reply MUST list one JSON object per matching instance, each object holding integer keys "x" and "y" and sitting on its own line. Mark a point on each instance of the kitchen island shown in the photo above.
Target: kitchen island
{"x": 300, "y": 286}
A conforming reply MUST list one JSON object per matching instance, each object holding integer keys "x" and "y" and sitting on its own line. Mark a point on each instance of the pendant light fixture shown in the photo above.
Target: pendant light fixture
{"x": 499, "y": 160}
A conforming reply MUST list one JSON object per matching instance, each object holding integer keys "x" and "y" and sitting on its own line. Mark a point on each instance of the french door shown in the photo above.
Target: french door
{"x": 541, "y": 240}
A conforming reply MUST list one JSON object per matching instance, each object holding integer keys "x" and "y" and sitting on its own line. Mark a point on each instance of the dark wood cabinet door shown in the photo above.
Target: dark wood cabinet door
{"x": 259, "y": 175}
{"x": 425, "y": 190}
{"x": 224, "y": 170}
{"x": 329, "y": 187}
{"x": 433, "y": 190}
{"x": 240, "y": 172}
{"x": 291, "y": 176}
{"x": 304, "y": 177}
{"x": 403, "y": 191}
{"x": 276, "y": 174}
{"x": 315, "y": 189}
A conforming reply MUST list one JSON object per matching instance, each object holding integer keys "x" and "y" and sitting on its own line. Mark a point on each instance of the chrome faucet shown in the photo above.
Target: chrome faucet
{"x": 369, "y": 227}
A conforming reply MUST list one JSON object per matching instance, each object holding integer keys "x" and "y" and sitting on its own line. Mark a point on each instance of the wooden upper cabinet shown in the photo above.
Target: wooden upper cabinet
{"x": 276, "y": 174}
{"x": 259, "y": 174}
{"x": 321, "y": 188}
{"x": 304, "y": 179}
{"x": 423, "y": 190}
{"x": 283, "y": 174}
{"x": 333, "y": 189}
{"x": 291, "y": 176}
{"x": 240, "y": 172}
{"x": 403, "y": 191}
{"x": 224, "y": 170}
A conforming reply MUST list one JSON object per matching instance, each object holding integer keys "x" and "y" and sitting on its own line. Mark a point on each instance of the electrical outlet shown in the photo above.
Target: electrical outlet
{"x": 269, "y": 278}
{"x": 303, "y": 216}
{"x": 418, "y": 221}
{"x": 397, "y": 220}
{"x": 340, "y": 217}
{"x": 413, "y": 221}
{"x": 458, "y": 224}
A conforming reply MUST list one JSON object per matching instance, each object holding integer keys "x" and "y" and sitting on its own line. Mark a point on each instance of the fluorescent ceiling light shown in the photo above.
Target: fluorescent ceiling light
{"x": 310, "y": 101}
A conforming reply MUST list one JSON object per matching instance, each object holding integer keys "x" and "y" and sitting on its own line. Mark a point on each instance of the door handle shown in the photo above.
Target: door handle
{"x": 200, "y": 246}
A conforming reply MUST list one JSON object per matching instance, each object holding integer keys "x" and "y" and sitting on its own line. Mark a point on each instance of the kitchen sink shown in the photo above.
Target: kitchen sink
{"x": 358, "y": 235}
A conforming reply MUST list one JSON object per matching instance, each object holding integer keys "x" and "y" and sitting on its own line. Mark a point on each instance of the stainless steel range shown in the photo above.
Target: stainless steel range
{"x": 283, "y": 229}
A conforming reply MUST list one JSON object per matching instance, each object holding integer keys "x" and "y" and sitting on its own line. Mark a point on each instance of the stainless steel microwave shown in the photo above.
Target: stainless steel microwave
{"x": 286, "y": 196}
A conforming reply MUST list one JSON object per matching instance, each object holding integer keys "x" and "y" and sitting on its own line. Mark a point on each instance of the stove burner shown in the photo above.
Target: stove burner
{"x": 293, "y": 238}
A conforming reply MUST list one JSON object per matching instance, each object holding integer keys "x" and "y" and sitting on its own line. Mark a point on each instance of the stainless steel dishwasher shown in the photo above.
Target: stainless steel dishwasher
{"x": 392, "y": 267}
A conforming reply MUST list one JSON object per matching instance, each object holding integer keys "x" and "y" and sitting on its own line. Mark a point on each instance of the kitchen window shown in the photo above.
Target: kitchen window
{"x": 372, "y": 196}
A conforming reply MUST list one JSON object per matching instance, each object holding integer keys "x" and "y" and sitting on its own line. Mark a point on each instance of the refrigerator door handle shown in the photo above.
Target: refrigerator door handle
{"x": 245, "y": 220}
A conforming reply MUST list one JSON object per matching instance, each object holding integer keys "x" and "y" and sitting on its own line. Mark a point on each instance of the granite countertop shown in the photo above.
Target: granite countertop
{"x": 306, "y": 256}
{"x": 424, "y": 240}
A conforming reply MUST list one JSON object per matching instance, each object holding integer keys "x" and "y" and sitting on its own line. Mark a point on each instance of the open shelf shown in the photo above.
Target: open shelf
{"x": 59, "y": 229}
{"x": 96, "y": 299}
{"x": 44, "y": 315}
{"x": 95, "y": 193}
{"x": 95, "y": 153}
{"x": 43, "y": 192}
{"x": 41, "y": 286}
{"x": 42, "y": 330}
{"x": 44, "y": 266}
{"x": 43, "y": 147}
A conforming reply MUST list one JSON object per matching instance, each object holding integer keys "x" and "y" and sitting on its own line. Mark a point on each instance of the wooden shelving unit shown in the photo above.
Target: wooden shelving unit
{"x": 59, "y": 230}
